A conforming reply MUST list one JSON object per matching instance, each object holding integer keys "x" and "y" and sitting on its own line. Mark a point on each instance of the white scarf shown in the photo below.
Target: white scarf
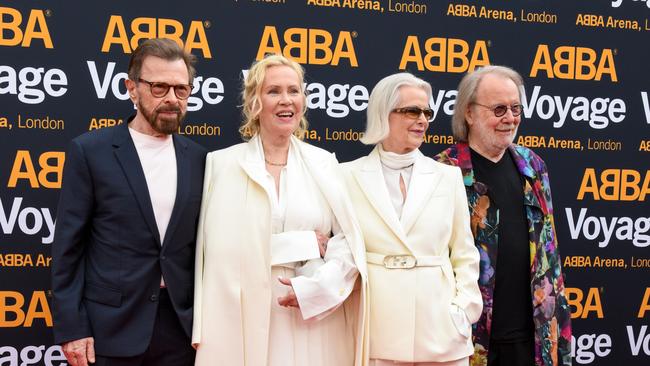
{"x": 393, "y": 166}
{"x": 397, "y": 161}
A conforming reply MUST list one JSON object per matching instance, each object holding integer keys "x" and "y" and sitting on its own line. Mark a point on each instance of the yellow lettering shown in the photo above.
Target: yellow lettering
{"x": 196, "y": 39}
{"x": 589, "y": 185}
{"x": 14, "y": 307}
{"x": 269, "y": 44}
{"x": 38, "y": 309}
{"x": 37, "y": 17}
{"x": 23, "y": 159}
{"x": 115, "y": 24}
{"x": 645, "y": 303}
{"x": 323, "y": 47}
{"x": 411, "y": 53}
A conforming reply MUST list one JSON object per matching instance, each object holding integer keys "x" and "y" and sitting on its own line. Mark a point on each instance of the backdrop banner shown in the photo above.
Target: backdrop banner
{"x": 586, "y": 113}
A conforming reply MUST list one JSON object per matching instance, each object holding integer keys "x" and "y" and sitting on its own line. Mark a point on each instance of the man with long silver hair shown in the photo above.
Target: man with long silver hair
{"x": 525, "y": 319}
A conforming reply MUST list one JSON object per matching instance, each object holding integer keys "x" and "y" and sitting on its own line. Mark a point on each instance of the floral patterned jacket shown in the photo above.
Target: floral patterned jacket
{"x": 551, "y": 313}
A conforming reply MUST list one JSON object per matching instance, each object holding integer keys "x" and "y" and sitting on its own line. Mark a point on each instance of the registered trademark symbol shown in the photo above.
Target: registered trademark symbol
{"x": 207, "y": 23}
{"x": 615, "y": 51}
{"x": 489, "y": 43}
{"x": 48, "y": 13}
{"x": 354, "y": 34}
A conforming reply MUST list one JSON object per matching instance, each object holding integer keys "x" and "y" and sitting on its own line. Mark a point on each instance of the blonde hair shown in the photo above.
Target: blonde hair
{"x": 252, "y": 90}
{"x": 467, "y": 95}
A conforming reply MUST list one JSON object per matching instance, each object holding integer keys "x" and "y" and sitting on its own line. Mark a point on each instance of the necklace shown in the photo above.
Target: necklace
{"x": 275, "y": 164}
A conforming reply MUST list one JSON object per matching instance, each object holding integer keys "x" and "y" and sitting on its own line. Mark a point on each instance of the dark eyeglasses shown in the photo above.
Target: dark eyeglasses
{"x": 415, "y": 112}
{"x": 501, "y": 109}
{"x": 159, "y": 90}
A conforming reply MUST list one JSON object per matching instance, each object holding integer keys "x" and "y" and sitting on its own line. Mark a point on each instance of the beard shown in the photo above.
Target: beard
{"x": 163, "y": 124}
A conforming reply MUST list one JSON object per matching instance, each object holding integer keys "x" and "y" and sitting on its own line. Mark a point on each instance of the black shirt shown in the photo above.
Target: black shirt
{"x": 512, "y": 313}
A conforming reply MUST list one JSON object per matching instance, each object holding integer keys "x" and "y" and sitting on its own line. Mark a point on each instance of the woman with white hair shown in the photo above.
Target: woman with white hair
{"x": 422, "y": 263}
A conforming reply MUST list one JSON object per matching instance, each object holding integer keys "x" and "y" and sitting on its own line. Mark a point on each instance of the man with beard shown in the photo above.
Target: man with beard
{"x": 526, "y": 319}
{"x": 123, "y": 251}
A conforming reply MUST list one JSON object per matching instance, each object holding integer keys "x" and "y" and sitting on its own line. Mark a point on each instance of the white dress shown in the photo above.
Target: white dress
{"x": 311, "y": 335}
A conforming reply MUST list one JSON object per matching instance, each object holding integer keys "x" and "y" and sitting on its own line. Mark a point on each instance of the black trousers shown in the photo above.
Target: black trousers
{"x": 169, "y": 346}
{"x": 520, "y": 353}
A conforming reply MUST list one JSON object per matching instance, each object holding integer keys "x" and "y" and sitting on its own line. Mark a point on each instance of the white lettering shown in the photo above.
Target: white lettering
{"x": 617, "y": 3}
{"x": 32, "y": 355}
{"x": 30, "y": 220}
{"x": 101, "y": 88}
{"x": 25, "y": 83}
{"x": 211, "y": 91}
{"x": 581, "y": 348}
{"x": 598, "y": 112}
{"x": 336, "y": 100}
{"x": 646, "y": 106}
{"x": 448, "y": 106}
{"x": 621, "y": 228}
{"x": 636, "y": 342}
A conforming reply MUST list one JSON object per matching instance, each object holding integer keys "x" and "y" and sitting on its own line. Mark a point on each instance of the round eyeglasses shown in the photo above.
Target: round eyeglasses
{"x": 500, "y": 110}
{"x": 159, "y": 90}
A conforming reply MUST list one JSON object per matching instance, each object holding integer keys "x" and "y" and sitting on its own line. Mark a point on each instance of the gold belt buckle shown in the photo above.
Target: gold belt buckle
{"x": 402, "y": 261}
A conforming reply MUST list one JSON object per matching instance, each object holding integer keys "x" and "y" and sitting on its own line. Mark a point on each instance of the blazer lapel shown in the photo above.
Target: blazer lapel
{"x": 334, "y": 192}
{"x": 182, "y": 187}
{"x": 424, "y": 181}
{"x": 523, "y": 165}
{"x": 252, "y": 163}
{"x": 128, "y": 158}
{"x": 371, "y": 181}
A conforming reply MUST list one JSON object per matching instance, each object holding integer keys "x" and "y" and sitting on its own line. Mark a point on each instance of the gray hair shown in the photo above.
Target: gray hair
{"x": 467, "y": 95}
{"x": 383, "y": 99}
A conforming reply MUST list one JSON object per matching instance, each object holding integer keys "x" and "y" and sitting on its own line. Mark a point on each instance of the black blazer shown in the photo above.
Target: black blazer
{"x": 107, "y": 258}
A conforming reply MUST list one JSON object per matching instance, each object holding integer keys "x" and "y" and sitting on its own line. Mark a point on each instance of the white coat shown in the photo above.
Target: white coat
{"x": 414, "y": 314}
{"x": 232, "y": 297}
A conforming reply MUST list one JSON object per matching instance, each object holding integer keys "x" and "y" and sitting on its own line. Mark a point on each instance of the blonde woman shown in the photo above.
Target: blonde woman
{"x": 279, "y": 251}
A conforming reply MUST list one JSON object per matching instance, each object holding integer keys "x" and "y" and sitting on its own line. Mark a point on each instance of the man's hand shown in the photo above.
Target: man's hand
{"x": 80, "y": 352}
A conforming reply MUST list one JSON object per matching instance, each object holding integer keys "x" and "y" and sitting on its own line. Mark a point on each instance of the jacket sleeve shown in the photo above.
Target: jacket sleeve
{"x": 74, "y": 215}
{"x": 322, "y": 292}
{"x": 563, "y": 311}
{"x": 200, "y": 246}
{"x": 464, "y": 256}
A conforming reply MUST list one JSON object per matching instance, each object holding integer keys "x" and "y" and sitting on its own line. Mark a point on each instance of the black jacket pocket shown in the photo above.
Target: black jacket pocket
{"x": 102, "y": 295}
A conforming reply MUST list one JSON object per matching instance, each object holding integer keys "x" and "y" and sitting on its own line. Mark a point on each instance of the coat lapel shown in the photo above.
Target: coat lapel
{"x": 182, "y": 188}
{"x": 252, "y": 162}
{"x": 523, "y": 165}
{"x": 128, "y": 159}
{"x": 424, "y": 181}
{"x": 333, "y": 193}
{"x": 371, "y": 181}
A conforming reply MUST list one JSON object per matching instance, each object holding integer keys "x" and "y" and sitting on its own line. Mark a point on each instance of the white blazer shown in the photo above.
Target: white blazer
{"x": 419, "y": 314}
{"x": 232, "y": 293}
